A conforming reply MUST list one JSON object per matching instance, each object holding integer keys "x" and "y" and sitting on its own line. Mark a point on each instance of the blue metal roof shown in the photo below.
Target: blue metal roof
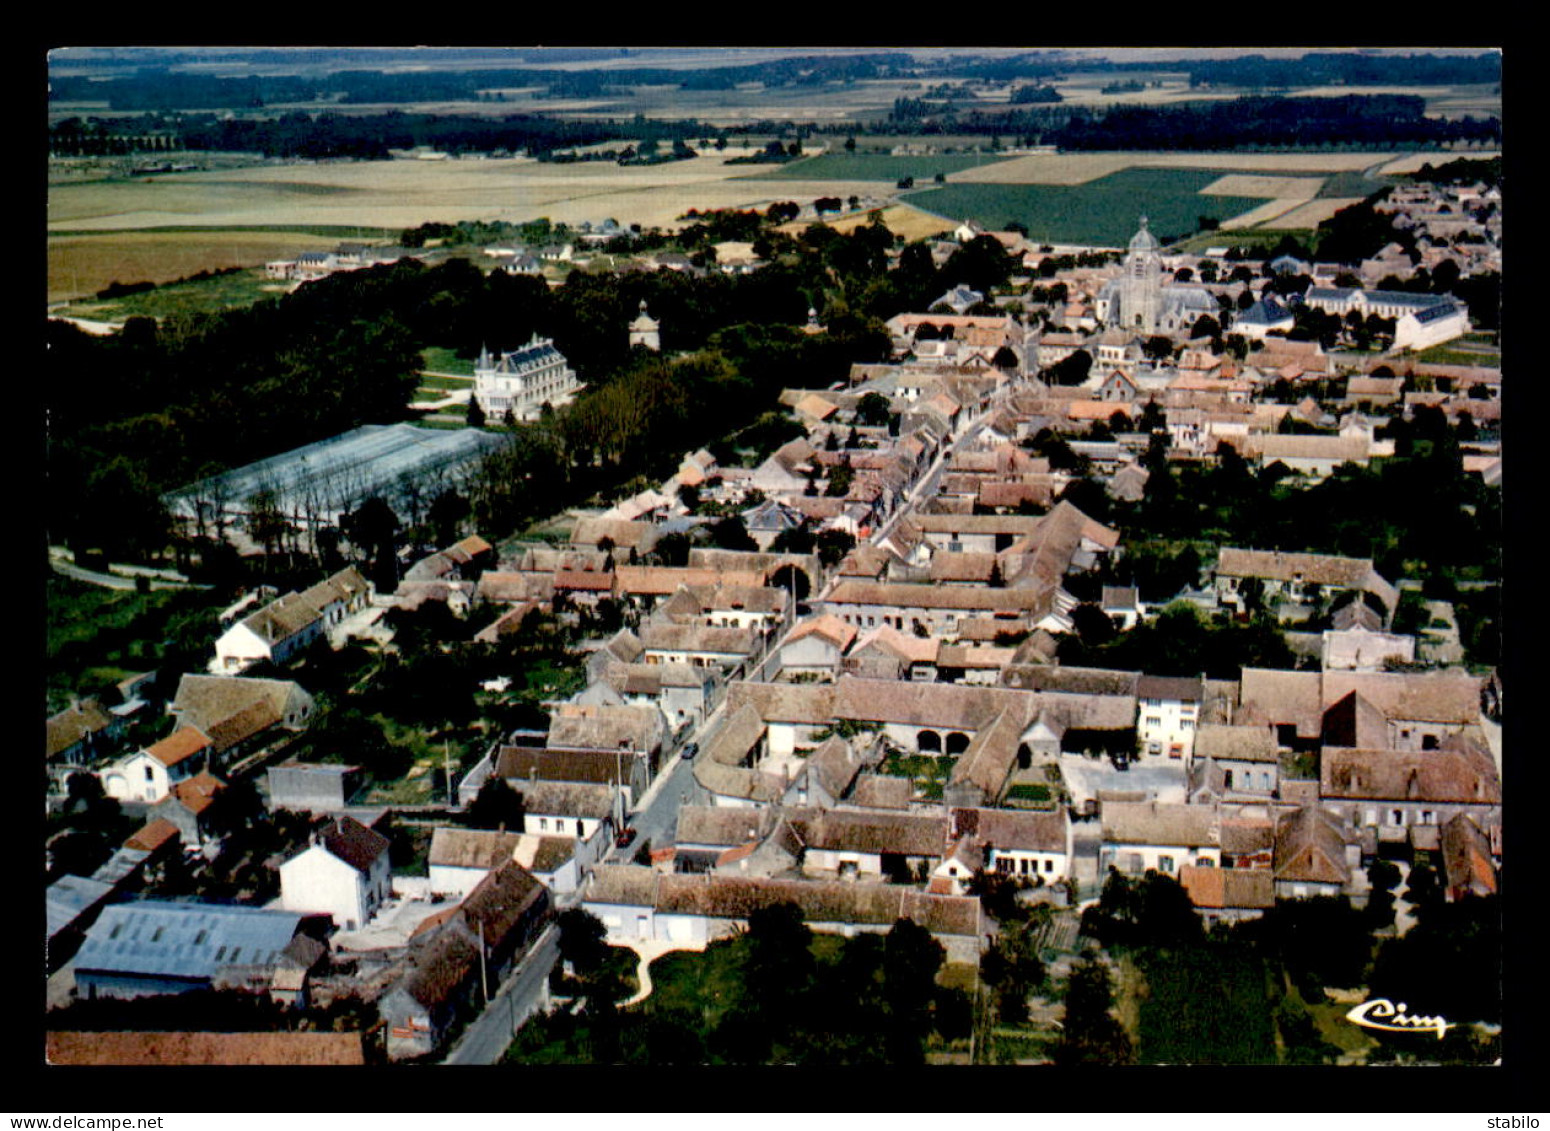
{"x": 184, "y": 939}
{"x": 69, "y": 896}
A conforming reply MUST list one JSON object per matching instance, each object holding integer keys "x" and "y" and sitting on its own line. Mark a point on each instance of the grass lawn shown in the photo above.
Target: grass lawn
{"x": 1447, "y": 353}
{"x": 440, "y": 422}
{"x": 441, "y": 360}
{"x": 1101, "y": 213}
{"x": 707, "y": 982}
{"x": 434, "y": 382}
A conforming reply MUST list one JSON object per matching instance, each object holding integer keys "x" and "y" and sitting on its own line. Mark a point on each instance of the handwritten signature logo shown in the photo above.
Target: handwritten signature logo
{"x": 1380, "y": 1013}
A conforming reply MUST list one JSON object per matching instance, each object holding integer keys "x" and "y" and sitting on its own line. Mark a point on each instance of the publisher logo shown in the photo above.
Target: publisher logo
{"x": 1380, "y": 1013}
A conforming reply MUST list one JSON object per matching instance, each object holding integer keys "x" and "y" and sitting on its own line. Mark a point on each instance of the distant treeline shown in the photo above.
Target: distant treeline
{"x": 328, "y": 135}
{"x": 161, "y": 89}
{"x": 1318, "y": 68}
{"x": 1366, "y": 121}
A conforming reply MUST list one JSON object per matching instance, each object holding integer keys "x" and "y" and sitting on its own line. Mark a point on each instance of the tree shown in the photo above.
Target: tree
{"x": 496, "y": 806}
{"x": 1090, "y": 1034}
{"x": 911, "y": 959}
{"x": 780, "y": 963}
{"x": 832, "y": 545}
{"x": 872, "y": 410}
{"x": 581, "y": 942}
{"x": 475, "y": 413}
{"x": 1012, "y": 969}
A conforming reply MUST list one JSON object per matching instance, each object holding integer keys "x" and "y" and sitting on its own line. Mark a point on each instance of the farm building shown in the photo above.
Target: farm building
{"x": 317, "y": 484}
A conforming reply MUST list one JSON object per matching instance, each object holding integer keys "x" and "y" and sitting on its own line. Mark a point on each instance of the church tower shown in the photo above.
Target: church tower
{"x": 1141, "y": 284}
{"x": 643, "y": 331}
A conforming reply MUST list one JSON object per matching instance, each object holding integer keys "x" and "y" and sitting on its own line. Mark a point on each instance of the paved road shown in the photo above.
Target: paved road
{"x": 525, "y": 992}
{"x": 114, "y": 581}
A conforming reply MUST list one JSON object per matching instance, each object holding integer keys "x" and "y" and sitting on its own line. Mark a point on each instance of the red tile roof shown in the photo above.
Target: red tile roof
{"x": 183, "y": 743}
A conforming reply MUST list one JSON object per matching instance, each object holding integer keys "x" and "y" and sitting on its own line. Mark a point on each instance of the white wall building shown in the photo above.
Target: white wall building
{"x": 523, "y": 381}
{"x": 344, "y": 873}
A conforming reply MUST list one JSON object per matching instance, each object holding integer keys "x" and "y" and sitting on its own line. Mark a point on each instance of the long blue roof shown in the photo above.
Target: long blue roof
{"x": 184, "y": 939}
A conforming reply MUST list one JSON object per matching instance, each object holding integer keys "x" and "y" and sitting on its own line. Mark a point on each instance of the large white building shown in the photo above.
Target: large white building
{"x": 523, "y": 381}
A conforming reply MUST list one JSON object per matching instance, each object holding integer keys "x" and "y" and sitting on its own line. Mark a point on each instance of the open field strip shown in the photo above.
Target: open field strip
{"x": 1313, "y": 213}
{"x": 900, "y": 219}
{"x": 1412, "y": 162}
{"x": 405, "y": 194}
{"x": 1079, "y": 168}
{"x": 1277, "y": 188}
{"x": 83, "y": 265}
{"x": 1271, "y": 210}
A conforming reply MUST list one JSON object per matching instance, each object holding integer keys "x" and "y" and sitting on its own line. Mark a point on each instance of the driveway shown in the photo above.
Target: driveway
{"x": 1085, "y": 777}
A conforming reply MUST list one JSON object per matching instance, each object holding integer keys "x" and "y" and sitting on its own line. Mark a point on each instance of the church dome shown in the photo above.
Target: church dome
{"x": 1143, "y": 240}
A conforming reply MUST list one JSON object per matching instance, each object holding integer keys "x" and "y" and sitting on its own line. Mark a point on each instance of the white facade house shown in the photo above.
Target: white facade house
{"x": 1149, "y": 835}
{"x": 1168, "y": 711}
{"x": 343, "y": 873}
{"x": 149, "y": 775}
{"x": 1027, "y": 845}
{"x": 290, "y": 624}
{"x": 523, "y": 381}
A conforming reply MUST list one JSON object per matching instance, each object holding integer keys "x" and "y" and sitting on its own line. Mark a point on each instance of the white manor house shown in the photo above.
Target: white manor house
{"x": 523, "y": 381}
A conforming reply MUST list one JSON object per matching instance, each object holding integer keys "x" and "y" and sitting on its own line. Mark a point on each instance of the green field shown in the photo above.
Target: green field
{"x": 96, "y": 635}
{"x": 441, "y": 360}
{"x": 1101, "y": 213}
{"x": 196, "y": 296}
{"x": 877, "y": 167}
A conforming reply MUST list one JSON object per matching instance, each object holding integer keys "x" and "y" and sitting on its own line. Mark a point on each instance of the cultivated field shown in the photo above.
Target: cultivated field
{"x": 1308, "y": 215}
{"x": 403, "y": 194}
{"x": 1079, "y": 168}
{"x": 885, "y": 167}
{"x": 1412, "y": 162}
{"x": 1280, "y": 188}
{"x": 100, "y": 230}
{"x": 1102, "y": 213}
{"x": 80, "y": 265}
{"x": 900, "y": 219}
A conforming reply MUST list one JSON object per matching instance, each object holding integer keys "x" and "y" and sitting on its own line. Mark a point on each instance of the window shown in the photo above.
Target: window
{"x": 1165, "y": 864}
{"x": 1049, "y": 865}
{"x": 543, "y": 824}
{"x": 1398, "y": 817}
{"x": 1186, "y": 724}
{"x": 1153, "y": 721}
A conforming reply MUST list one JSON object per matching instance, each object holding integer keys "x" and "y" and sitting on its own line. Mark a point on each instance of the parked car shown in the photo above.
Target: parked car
{"x": 691, "y": 750}
{"x": 626, "y": 837}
